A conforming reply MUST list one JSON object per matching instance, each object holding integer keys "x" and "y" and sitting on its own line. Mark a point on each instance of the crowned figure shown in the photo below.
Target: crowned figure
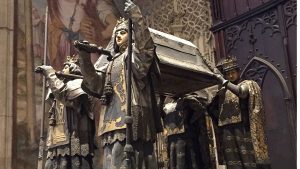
{"x": 237, "y": 109}
{"x": 71, "y": 130}
{"x": 107, "y": 81}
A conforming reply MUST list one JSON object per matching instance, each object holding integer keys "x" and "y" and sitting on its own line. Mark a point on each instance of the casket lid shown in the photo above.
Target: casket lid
{"x": 183, "y": 68}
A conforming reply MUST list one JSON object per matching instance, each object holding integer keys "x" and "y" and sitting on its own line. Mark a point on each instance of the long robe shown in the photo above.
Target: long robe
{"x": 71, "y": 137}
{"x": 241, "y": 127}
{"x": 146, "y": 118}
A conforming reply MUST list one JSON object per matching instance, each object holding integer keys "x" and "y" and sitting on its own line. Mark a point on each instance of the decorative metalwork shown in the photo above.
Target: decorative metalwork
{"x": 256, "y": 71}
{"x": 269, "y": 21}
{"x": 252, "y": 37}
{"x": 233, "y": 34}
{"x": 290, "y": 12}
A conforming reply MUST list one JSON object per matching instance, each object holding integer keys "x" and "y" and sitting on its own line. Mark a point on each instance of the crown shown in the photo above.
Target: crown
{"x": 121, "y": 20}
{"x": 122, "y": 23}
{"x": 229, "y": 64}
{"x": 73, "y": 59}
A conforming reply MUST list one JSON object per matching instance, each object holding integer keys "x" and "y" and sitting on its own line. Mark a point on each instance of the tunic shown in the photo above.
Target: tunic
{"x": 146, "y": 118}
{"x": 72, "y": 134}
{"x": 241, "y": 127}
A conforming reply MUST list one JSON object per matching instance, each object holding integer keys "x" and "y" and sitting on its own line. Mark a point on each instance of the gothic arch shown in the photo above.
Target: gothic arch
{"x": 289, "y": 102}
{"x": 273, "y": 69}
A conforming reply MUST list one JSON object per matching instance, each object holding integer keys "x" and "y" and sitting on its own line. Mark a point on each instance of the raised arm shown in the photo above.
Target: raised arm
{"x": 143, "y": 44}
{"x": 57, "y": 86}
{"x": 142, "y": 37}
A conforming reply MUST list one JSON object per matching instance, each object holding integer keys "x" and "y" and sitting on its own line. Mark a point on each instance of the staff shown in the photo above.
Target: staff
{"x": 128, "y": 149}
{"x": 42, "y": 142}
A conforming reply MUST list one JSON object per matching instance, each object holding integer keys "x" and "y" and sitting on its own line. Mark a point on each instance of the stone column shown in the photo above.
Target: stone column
{"x": 31, "y": 114}
{"x": 7, "y": 99}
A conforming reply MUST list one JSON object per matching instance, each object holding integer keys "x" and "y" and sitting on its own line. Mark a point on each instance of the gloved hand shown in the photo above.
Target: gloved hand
{"x": 84, "y": 45}
{"x": 44, "y": 70}
{"x": 221, "y": 79}
{"x": 128, "y": 6}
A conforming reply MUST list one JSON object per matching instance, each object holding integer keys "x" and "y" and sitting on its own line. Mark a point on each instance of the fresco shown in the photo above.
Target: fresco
{"x": 78, "y": 19}
{"x": 68, "y": 20}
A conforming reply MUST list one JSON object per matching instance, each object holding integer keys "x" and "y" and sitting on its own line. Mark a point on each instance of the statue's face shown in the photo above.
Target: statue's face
{"x": 121, "y": 37}
{"x": 232, "y": 75}
{"x": 66, "y": 69}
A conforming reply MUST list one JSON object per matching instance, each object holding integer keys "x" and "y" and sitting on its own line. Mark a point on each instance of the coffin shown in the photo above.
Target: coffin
{"x": 183, "y": 69}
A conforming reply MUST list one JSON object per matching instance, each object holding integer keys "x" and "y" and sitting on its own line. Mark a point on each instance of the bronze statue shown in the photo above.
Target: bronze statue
{"x": 187, "y": 137}
{"x": 107, "y": 81}
{"x": 237, "y": 109}
{"x": 70, "y": 139}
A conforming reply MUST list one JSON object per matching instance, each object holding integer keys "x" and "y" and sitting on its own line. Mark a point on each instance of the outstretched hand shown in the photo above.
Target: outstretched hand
{"x": 44, "y": 70}
{"x": 128, "y": 6}
{"x": 221, "y": 79}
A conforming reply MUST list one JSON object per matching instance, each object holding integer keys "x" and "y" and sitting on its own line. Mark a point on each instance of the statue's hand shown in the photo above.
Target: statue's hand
{"x": 82, "y": 45}
{"x": 221, "y": 79}
{"x": 128, "y": 6}
{"x": 44, "y": 70}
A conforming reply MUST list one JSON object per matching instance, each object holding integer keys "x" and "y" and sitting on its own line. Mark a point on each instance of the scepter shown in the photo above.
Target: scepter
{"x": 42, "y": 142}
{"x": 128, "y": 149}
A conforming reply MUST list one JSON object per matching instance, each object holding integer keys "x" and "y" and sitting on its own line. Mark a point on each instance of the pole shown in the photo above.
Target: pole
{"x": 128, "y": 149}
{"x": 42, "y": 142}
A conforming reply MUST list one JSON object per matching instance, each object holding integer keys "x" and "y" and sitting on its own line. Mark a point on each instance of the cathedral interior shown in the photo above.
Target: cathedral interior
{"x": 261, "y": 34}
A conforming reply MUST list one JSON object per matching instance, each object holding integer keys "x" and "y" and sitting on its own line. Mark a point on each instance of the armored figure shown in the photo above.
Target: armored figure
{"x": 187, "y": 138}
{"x": 237, "y": 109}
{"x": 70, "y": 139}
{"x": 107, "y": 81}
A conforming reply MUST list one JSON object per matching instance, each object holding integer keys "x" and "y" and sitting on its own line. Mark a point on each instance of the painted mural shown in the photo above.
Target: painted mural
{"x": 70, "y": 20}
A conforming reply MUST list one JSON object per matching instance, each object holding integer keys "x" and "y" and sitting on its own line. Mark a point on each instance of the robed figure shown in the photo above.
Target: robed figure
{"x": 107, "y": 81}
{"x": 238, "y": 112}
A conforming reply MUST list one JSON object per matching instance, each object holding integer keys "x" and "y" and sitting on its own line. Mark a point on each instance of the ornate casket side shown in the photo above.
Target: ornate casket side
{"x": 183, "y": 69}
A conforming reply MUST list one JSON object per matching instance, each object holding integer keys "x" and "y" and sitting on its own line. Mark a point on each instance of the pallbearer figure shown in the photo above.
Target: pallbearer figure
{"x": 238, "y": 112}
{"x": 108, "y": 83}
{"x": 71, "y": 122}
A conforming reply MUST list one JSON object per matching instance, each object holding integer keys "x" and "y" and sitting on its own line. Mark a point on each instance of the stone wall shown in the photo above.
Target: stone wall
{"x": 187, "y": 19}
{"x": 7, "y": 112}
